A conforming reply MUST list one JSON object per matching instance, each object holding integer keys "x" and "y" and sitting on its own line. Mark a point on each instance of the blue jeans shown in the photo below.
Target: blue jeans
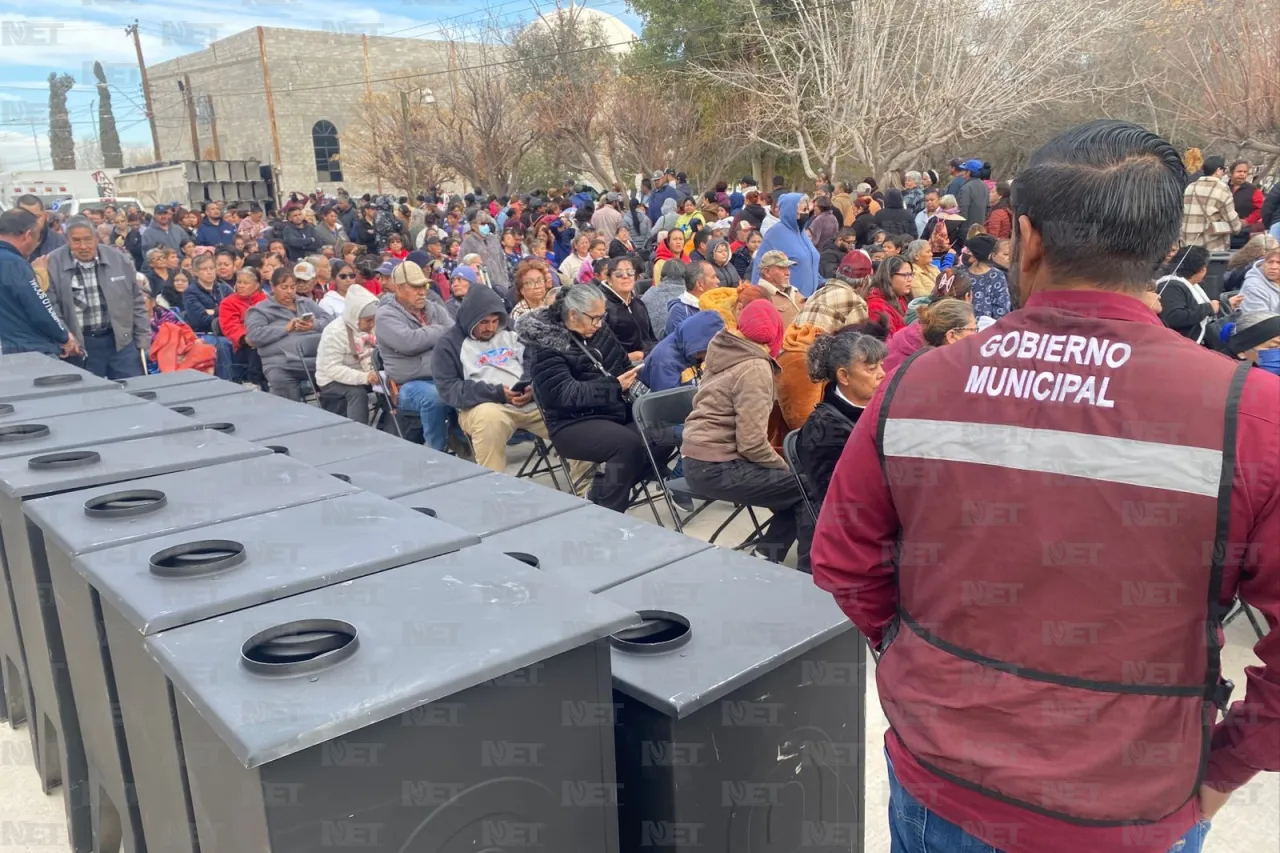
{"x": 915, "y": 829}
{"x": 103, "y": 359}
{"x": 421, "y": 396}
{"x": 226, "y": 355}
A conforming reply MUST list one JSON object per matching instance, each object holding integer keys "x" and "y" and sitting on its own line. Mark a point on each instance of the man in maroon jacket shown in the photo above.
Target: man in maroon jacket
{"x": 1041, "y": 528}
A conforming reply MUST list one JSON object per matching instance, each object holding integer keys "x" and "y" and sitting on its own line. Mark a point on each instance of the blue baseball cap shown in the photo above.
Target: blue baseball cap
{"x": 972, "y": 166}
{"x": 465, "y": 272}
{"x": 387, "y": 267}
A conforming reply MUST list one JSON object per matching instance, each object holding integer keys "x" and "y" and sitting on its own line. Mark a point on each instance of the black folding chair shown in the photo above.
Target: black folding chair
{"x": 538, "y": 461}
{"x": 792, "y": 455}
{"x": 303, "y": 357}
{"x": 1247, "y": 611}
{"x": 405, "y": 424}
{"x": 639, "y": 495}
{"x": 657, "y": 414}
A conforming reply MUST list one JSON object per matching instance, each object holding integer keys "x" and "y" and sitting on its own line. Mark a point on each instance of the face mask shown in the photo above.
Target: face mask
{"x": 1269, "y": 360}
{"x": 485, "y": 230}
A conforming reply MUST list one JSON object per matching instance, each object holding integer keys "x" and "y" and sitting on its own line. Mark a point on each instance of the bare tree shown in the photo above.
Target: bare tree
{"x": 485, "y": 126}
{"x": 375, "y": 144}
{"x": 1232, "y": 62}
{"x": 567, "y": 71}
{"x": 868, "y": 82}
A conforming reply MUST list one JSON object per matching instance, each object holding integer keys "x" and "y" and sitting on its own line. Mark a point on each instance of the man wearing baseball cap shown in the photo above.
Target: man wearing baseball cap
{"x": 973, "y": 197}
{"x": 162, "y": 232}
{"x": 775, "y": 280}
{"x": 409, "y": 326}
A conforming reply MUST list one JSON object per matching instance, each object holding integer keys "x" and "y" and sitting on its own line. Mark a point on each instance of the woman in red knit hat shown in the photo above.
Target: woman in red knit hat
{"x": 726, "y": 449}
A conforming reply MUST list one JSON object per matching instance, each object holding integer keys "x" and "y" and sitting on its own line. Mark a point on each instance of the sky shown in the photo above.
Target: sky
{"x": 67, "y": 36}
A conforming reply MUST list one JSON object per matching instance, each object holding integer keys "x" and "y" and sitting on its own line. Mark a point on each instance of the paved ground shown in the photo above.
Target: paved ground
{"x": 31, "y": 822}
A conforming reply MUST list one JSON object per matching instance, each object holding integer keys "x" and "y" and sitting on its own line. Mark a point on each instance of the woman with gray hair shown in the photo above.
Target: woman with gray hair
{"x": 852, "y": 366}
{"x": 581, "y": 378}
{"x": 924, "y": 275}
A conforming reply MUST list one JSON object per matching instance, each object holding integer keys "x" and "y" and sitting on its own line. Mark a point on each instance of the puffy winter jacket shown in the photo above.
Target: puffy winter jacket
{"x": 198, "y": 302}
{"x": 822, "y": 440}
{"x": 345, "y": 354}
{"x": 567, "y": 382}
{"x": 232, "y": 312}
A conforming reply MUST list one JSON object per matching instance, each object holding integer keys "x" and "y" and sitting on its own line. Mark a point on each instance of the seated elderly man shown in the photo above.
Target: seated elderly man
{"x": 478, "y": 367}
{"x": 276, "y": 326}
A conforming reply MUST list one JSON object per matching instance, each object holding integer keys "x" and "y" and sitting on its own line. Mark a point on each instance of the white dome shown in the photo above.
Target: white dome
{"x": 615, "y": 32}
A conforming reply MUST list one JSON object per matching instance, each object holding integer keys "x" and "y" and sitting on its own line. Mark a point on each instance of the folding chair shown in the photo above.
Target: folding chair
{"x": 792, "y": 456}
{"x": 539, "y": 459}
{"x": 304, "y": 356}
{"x": 405, "y": 424}
{"x": 1240, "y": 608}
{"x": 639, "y": 495}
{"x": 658, "y": 411}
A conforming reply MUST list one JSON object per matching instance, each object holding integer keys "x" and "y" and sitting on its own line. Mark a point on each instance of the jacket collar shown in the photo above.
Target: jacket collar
{"x": 1103, "y": 304}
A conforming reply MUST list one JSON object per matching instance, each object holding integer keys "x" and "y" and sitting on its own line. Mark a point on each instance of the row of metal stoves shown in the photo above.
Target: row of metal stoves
{"x": 233, "y": 623}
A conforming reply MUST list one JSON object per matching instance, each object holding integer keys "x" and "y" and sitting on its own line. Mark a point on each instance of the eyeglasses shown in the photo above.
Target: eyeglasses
{"x": 623, "y": 273}
{"x": 970, "y": 329}
{"x": 596, "y": 319}
{"x": 345, "y": 275}
{"x": 905, "y": 274}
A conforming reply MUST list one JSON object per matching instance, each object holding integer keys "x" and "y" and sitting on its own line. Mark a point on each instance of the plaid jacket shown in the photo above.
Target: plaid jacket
{"x": 1206, "y": 201}
{"x": 833, "y": 306}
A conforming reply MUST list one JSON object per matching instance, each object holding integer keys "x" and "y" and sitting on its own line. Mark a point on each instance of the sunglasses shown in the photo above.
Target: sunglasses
{"x": 345, "y": 275}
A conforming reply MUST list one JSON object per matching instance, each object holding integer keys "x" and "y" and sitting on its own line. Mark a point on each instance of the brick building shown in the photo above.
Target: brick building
{"x": 317, "y": 81}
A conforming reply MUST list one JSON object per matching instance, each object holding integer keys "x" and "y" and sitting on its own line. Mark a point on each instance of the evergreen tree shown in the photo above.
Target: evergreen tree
{"x": 62, "y": 146}
{"x": 109, "y": 139}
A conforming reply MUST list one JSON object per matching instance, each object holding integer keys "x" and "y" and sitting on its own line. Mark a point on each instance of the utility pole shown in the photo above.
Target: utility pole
{"x": 271, "y": 103}
{"x": 213, "y": 126}
{"x": 408, "y": 151}
{"x": 132, "y": 30}
{"x": 36, "y": 139}
{"x": 189, "y": 97}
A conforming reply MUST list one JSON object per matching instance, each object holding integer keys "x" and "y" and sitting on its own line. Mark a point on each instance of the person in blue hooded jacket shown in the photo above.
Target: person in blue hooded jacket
{"x": 682, "y": 349}
{"x": 788, "y": 237}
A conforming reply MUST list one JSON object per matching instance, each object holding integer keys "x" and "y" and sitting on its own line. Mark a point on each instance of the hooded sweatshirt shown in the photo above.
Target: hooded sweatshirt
{"x": 674, "y": 354}
{"x": 1259, "y": 293}
{"x": 345, "y": 354}
{"x": 657, "y": 299}
{"x": 726, "y": 272}
{"x": 791, "y": 240}
{"x": 730, "y": 417}
{"x": 469, "y": 372}
{"x": 894, "y": 218}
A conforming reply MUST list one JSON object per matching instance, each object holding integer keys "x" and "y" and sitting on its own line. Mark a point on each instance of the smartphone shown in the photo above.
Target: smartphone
{"x": 635, "y": 367}
{"x": 520, "y": 387}
{"x": 307, "y": 316}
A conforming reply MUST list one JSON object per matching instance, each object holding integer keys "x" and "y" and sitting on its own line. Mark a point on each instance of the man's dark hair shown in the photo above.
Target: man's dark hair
{"x": 16, "y": 222}
{"x": 1213, "y": 164}
{"x": 226, "y": 251}
{"x": 1106, "y": 198}
{"x": 847, "y": 234}
{"x": 778, "y": 180}
{"x": 692, "y": 274}
{"x": 29, "y": 200}
{"x": 700, "y": 239}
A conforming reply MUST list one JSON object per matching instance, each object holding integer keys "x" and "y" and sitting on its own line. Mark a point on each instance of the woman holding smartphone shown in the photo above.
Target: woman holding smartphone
{"x": 581, "y": 377}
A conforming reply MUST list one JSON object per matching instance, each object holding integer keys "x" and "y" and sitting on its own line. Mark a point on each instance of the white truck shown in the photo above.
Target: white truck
{"x": 57, "y": 187}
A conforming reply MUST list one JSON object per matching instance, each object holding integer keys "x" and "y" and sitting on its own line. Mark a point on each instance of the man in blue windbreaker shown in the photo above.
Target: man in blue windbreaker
{"x": 28, "y": 322}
